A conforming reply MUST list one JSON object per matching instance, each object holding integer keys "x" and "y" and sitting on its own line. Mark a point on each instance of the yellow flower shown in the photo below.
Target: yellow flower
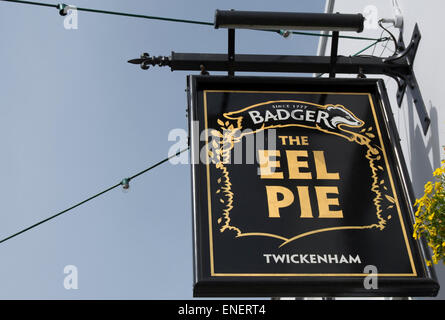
{"x": 435, "y": 259}
{"x": 438, "y": 172}
{"x": 433, "y": 233}
{"x": 427, "y": 222}
{"x": 420, "y": 202}
{"x": 428, "y": 187}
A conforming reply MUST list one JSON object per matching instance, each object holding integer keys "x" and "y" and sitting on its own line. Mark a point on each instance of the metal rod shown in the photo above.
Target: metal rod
{"x": 260, "y": 20}
{"x": 231, "y": 51}
{"x": 334, "y": 50}
{"x": 283, "y": 63}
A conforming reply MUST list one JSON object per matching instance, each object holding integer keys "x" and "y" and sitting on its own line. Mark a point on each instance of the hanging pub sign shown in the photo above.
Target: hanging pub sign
{"x": 300, "y": 189}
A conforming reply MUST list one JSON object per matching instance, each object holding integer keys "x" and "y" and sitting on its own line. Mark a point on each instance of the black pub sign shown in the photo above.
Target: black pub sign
{"x": 300, "y": 189}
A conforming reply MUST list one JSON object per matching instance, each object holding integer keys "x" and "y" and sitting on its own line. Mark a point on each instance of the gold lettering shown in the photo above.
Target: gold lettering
{"x": 305, "y": 202}
{"x": 275, "y": 204}
{"x": 320, "y": 167}
{"x": 296, "y": 140}
{"x": 266, "y": 164}
{"x": 324, "y": 202}
{"x": 295, "y": 165}
{"x": 283, "y": 140}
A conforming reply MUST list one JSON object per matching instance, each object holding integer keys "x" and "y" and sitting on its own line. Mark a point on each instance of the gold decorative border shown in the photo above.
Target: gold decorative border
{"x": 221, "y": 154}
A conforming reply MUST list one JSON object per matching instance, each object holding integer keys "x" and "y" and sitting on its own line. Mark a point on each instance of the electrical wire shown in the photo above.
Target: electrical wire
{"x": 384, "y": 48}
{"x": 169, "y": 20}
{"x": 34, "y": 3}
{"x": 390, "y": 34}
{"x": 357, "y": 54}
{"x": 330, "y": 35}
{"x": 373, "y": 49}
{"x": 132, "y": 15}
{"x": 113, "y": 12}
{"x": 366, "y": 48}
{"x": 93, "y": 197}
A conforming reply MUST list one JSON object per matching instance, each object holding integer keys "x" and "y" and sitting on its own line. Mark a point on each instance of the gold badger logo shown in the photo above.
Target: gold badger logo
{"x": 291, "y": 113}
{"x": 329, "y": 119}
{"x": 339, "y": 115}
{"x": 329, "y": 116}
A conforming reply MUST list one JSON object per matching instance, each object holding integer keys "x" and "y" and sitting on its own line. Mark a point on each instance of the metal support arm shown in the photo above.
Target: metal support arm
{"x": 399, "y": 67}
{"x": 273, "y": 63}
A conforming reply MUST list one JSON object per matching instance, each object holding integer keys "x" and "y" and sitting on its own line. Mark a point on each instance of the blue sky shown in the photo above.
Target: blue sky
{"x": 76, "y": 118}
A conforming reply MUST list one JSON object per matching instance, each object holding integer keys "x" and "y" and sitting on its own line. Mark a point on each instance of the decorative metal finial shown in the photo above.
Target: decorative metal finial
{"x": 145, "y": 61}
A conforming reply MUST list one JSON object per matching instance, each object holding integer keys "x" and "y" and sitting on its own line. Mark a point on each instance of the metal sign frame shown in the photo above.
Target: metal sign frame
{"x": 208, "y": 283}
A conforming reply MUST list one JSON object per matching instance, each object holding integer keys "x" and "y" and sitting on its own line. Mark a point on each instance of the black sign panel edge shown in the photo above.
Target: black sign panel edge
{"x": 424, "y": 284}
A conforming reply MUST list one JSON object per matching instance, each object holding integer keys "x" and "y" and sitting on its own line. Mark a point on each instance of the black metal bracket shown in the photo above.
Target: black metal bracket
{"x": 408, "y": 54}
{"x": 408, "y": 80}
{"x": 399, "y": 66}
